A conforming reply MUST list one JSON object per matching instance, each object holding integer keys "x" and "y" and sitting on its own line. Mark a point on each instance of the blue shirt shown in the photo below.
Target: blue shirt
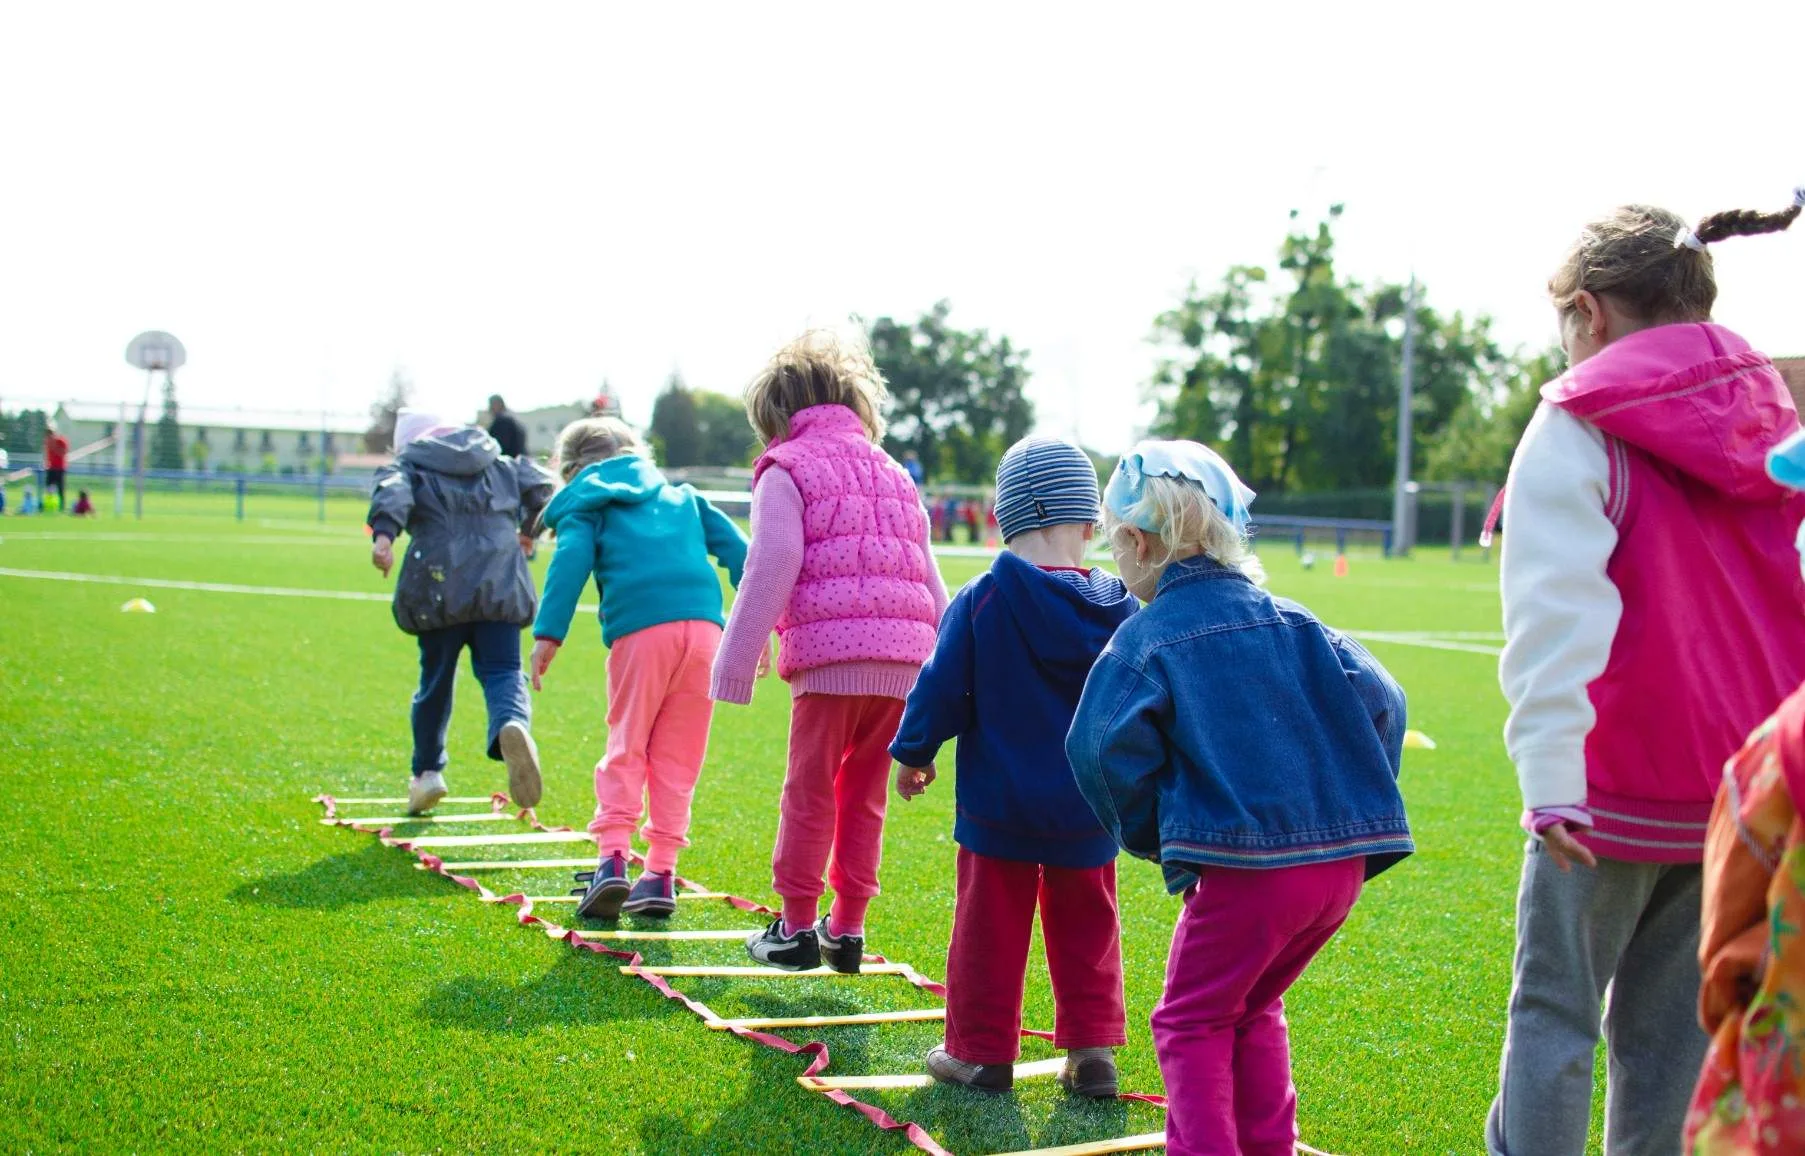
{"x": 1226, "y": 727}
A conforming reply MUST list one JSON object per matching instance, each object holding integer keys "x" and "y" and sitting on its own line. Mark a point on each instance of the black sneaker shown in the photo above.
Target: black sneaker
{"x": 842, "y": 953}
{"x": 798, "y": 952}
{"x": 607, "y": 888}
{"x": 654, "y": 893}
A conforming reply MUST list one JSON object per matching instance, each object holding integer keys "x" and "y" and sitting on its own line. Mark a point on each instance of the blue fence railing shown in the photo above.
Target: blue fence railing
{"x": 103, "y": 480}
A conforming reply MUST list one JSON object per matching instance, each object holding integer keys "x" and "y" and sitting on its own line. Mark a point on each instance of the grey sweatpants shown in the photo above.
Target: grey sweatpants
{"x": 1631, "y": 929}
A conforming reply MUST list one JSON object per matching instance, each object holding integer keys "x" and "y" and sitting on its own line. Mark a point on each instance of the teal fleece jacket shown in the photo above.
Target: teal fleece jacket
{"x": 647, "y": 543}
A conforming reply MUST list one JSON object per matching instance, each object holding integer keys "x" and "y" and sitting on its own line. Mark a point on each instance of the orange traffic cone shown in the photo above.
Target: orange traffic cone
{"x": 1341, "y": 565}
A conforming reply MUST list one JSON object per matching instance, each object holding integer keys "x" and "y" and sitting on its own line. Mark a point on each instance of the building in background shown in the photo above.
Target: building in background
{"x": 1793, "y": 370}
{"x": 230, "y": 440}
{"x": 543, "y": 425}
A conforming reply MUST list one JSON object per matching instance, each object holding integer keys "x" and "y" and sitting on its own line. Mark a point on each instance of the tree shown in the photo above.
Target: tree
{"x": 166, "y": 440}
{"x": 1485, "y": 430}
{"x": 957, "y": 398}
{"x": 380, "y": 437}
{"x": 727, "y": 438}
{"x": 23, "y": 432}
{"x": 676, "y": 429}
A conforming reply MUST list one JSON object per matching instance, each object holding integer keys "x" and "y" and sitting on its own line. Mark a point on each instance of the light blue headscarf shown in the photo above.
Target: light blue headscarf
{"x": 1187, "y": 460}
{"x": 1786, "y": 462}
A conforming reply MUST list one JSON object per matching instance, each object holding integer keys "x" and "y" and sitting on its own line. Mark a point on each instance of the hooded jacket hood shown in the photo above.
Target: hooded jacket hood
{"x": 1063, "y": 624}
{"x": 627, "y": 479}
{"x": 461, "y": 453}
{"x": 1693, "y": 396}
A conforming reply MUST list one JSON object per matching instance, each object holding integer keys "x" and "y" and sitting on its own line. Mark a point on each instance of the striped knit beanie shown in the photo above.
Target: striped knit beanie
{"x": 1044, "y": 482}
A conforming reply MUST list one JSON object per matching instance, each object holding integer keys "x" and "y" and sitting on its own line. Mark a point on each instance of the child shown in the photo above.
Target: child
{"x": 647, "y": 543}
{"x": 1253, "y": 753}
{"x": 840, "y": 567}
{"x": 1013, "y": 654}
{"x": 1651, "y": 621}
{"x": 84, "y": 505}
{"x": 464, "y": 583}
{"x": 28, "y": 502}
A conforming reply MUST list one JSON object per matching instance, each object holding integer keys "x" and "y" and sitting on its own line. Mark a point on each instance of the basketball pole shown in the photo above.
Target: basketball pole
{"x": 119, "y": 464}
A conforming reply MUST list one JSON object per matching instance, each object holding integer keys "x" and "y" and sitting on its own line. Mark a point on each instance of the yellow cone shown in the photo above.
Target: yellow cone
{"x": 138, "y": 606}
{"x": 1418, "y": 741}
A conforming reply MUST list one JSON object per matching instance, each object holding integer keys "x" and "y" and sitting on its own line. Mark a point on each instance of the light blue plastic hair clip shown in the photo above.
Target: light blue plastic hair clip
{"x": 1187, "y": 460}
{"x": 1786, "y": 461}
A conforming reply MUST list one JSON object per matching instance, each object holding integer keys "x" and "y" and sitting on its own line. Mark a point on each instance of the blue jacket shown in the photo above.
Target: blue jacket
{"x": 1226, "y": 727}
{"x": 646, "y": 541}
{"x": 1014, "y": 649}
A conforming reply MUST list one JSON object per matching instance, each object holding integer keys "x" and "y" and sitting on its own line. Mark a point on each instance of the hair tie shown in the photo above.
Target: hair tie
{"x": 1689, "y": 239}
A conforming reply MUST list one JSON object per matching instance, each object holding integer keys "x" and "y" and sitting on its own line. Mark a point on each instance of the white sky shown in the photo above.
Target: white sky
{"x": 526, "y": 199}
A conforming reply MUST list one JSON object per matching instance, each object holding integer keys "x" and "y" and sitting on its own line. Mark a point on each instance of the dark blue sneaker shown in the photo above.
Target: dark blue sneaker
{"x": 798, "y": 952}
{"x": 654, "y": 893}
{"x": 607, "y": 888}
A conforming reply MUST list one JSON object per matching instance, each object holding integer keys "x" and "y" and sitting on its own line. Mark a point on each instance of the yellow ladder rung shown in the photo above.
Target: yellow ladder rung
{"x": 628, "y": 933}
{"x": 391, "y": 820}
{"x": 518, "y": 838}
{"x": 1099, "y": 1147}
{"x": 511, "y": 865}
{"x": 916, "y": 1080}
{"x": 914, "y": 1015}
{"x": 537, "y": 899}
{"x": 403, "y": 801}
{"x": 765, "y": 972}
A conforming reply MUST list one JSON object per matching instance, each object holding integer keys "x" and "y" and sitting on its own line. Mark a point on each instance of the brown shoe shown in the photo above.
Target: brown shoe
{"x": 984, "y": 1077}
{"x": 1091, "y": 1073}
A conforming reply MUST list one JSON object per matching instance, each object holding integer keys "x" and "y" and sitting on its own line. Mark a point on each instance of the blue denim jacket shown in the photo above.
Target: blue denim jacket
{"x": 1225, "y": 727}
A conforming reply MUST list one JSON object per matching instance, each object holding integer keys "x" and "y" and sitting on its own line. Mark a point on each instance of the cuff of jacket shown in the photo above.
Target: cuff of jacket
{"x": 1541, "y": 818}
{"x": 1552, "y": 776}
{"x": 551, "y": 638}
{"x": 734, "y": 690}
{"x": 385, "y": 528}
{"x": 913, "y": 756}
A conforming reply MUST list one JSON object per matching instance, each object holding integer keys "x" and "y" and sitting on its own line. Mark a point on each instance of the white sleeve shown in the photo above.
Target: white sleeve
{"x": 1561, "y": 609}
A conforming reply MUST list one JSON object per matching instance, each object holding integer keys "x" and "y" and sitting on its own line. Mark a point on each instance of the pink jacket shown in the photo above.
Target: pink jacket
{"x": 1712, "y": 633}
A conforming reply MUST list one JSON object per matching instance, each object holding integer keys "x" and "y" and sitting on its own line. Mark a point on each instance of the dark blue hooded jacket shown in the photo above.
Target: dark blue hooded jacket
{"x": 1014, "y": 650}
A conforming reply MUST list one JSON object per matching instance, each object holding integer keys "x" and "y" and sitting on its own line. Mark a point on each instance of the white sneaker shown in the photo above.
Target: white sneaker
{"x": 424, "y": 792}
{"x": 521, "y": 755}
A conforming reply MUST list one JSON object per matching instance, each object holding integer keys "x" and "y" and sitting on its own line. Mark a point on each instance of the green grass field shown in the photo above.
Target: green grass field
{"x": 190, "y": 960}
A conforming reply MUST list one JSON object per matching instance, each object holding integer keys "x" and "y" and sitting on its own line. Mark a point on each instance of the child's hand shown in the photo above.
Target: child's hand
{"x": 912, "y": 781}
{"x": 527, "y": 542}
{"x": 764, "y": 660}
{"x": 544, "y": 650}
{"x": 1564, "y": 849}
{"x": 382, "y": 553}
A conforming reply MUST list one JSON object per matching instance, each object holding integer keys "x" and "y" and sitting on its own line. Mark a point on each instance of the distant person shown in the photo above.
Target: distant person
{"x": 647, "y": 544}
{"x": 1651, "y": 599}
{"x": 1005, "y": 678}
{"x": 464, "y": 584}
{"x": 56, "y": 463}
{"x": 28, "y": 502}
{"x": 911, "y": 463}
{"x": 1250, "y": 751}
{"x": 84, "y": 505}
{"x": 841, "y": 568}
{"x": 506, "y": 429}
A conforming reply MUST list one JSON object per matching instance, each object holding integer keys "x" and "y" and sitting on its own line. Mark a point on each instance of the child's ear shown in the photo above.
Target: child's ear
{"x": 1143, "y": 549}
{"x": 1090, "y": 531}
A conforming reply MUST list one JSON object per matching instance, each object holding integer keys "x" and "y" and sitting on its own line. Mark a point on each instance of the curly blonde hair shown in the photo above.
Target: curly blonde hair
{"x": 594, "y": 439}
{"x": 1188, "y": 524}
{"x": 819, "y": 368}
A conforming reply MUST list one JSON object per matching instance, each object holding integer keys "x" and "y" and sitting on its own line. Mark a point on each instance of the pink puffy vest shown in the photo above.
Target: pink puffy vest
{"x": 862, "y": 594}
{"x": 1713, "y": 631}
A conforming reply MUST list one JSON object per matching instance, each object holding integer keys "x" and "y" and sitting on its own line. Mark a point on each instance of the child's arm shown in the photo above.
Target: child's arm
{"x": 725, "y": 542}
{"x": 391, "y": 505}
{"x": 773, "y": 562}
{"x": 1379, "y": 693}
{"x": 536, "y": 489}
{"x": 1561, "y": 610}
{"x": 572, "y": 564}
{"x": 936, "y": 584}
{"x": 940, "y": 706}
{"x": 1118, "y": 753}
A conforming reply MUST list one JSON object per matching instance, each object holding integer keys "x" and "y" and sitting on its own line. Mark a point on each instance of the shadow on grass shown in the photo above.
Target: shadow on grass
{"x": 370, "y": 873}
{"x": 968, "y": 1121}
{"x": 579, "y": 989}
{"x": 773, "y": 1115}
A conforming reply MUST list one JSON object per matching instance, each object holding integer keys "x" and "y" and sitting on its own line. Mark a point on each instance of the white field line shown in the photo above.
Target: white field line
{"x": 217, "y": 587}
{"x": 1426, "y": 643}
{"x": 192, "y": 539}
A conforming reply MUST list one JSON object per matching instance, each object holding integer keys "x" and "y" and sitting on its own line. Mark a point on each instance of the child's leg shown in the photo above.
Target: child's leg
{"x": 679, "y": 743}
{"x": 639, "y": 670}
{"x": 495, "y": 660}
{"x": 1235, "y": 950}
{"x": 439, "y": 653}
{"x": 1083, "y": 937}
{"x": 1655, "y": 1044}
{"x": 861, "y": 792}
{"x": 1572, "y": 928}
{"x": 821, "y": 727}
{"x": 987, "y": 960}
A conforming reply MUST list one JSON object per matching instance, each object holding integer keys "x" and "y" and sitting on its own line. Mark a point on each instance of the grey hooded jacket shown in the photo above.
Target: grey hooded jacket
{"x": 463, "y": 505}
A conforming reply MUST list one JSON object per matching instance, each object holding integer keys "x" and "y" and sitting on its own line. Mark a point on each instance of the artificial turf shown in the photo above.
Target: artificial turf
{"x": 190, "y": 960}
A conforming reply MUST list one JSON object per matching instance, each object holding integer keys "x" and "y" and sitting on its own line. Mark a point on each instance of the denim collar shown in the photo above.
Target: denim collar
{"x": 1195, "y": 570}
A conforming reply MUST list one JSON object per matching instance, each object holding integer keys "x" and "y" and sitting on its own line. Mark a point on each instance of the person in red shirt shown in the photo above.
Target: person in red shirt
{"x": 56, "y": 460}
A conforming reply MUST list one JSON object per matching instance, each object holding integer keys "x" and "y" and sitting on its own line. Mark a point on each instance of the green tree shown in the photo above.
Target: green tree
{"x": 957, "y": 398}
{"x": 676, "y": 428}
{"x": 727, "y": 438}
{"x": 23, "y": 432}
{"x": 166, "y": 440}
{"x": 1485, "y": 430}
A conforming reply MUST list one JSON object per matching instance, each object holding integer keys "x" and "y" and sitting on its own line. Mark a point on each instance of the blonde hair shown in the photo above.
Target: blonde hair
{"x": 819, "y": 368}
{"x": 1188, "y": 524}
{"x": 1633, "y": 256}
{"x": 594, "y": 439}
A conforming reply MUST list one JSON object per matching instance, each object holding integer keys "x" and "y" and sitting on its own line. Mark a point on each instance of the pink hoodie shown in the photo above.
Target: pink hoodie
{"x": 1711, "y": 637}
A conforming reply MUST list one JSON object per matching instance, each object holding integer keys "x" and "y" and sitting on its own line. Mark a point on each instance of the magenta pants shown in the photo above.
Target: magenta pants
{"x": 658, "y": 717}
{"x": 1244, "y": 938}
{"x": 831, "y": 818}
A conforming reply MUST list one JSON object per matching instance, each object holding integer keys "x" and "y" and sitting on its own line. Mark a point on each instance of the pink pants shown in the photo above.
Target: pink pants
{"x": 658, "y": 716}
{"x": 1244, "y": 938}
{"x": 833, "y": 802}
{"x": 987, "y": 961}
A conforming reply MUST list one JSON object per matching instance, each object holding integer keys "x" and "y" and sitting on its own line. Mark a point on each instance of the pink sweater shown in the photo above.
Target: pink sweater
{"x": 773, "y": 564}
